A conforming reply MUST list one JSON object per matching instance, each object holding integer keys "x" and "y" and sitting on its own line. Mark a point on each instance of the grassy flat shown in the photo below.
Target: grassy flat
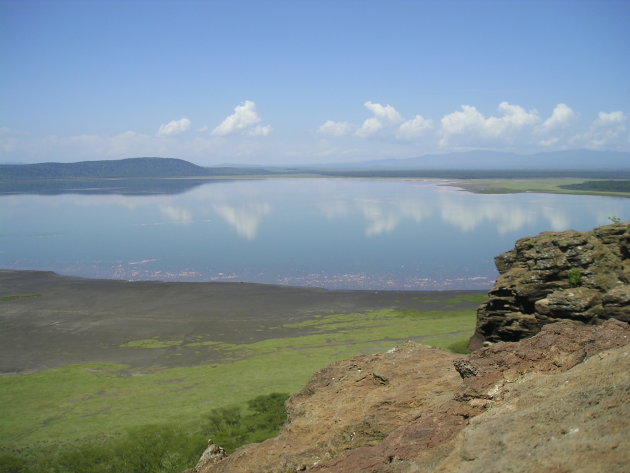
{"x": 541, "y": 185}
{"x": 89, "y": 358}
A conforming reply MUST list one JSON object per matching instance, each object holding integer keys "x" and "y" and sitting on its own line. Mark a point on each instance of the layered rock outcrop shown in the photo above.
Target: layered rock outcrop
{"x": 555, "y": 402}
{"x": 583, "y": 276}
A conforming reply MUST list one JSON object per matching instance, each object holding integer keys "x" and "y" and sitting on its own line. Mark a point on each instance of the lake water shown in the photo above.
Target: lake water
{"x": 333, "y": 233}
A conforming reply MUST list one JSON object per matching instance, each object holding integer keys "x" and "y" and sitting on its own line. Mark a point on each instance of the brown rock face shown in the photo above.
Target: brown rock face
{"x": 582, "y": 276}
{"x": 555, "y": 402}
{"x": 350, "y": 404}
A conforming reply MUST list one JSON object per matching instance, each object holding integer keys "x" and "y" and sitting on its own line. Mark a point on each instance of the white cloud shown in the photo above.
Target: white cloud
{"x": 245, "y": 120}
{"x": 607, "y": 131}
{"x": 414, "y": 128}
{"x": 611, "y": 118}
{"x": 174, "y": 127}
{"x": 467, "y": 121}
{"x": 386, "y": 113}
{"x": 369, "y": 127}
{"x": 561, "y": 116}
{"x": 470, "y": 126}
{"x": 554, "y": 131}
{"x": 554, "y": 140}
{"x": 259, "y": 130}
{"x": 383, "y": 115}
{"x": 333, "y": 128}
{"x": 513, "y": 116}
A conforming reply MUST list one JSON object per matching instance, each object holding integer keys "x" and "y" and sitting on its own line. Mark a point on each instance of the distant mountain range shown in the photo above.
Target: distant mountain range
{"x": 470, "y": 163}
{"x": 497, "y": 160}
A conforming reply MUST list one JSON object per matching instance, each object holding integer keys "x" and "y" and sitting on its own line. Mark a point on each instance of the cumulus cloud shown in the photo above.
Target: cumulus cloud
{"x": 333, "y": 128}
{"x": 259, "y": 130}
{"x": 561, "y": 116}
{"x": 414, "y": 128}
{"x": 384, "y": 115}
{"x": 612, "y": 118}
{"x": 555, "y": 130}
{"x": 466, "y": 121}
{"x": 174, "y": 127}
{"x": 470, "y": 125}
{"x": 245, "y": 120}
{"x": 609, "y": 130}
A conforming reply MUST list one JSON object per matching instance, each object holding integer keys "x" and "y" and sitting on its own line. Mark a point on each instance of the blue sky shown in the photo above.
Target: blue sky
{"x": 310, "y": 81}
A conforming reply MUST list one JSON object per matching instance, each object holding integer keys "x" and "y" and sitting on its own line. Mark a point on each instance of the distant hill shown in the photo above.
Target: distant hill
{"x": 129, "y": 168}
{"x": 464, "y": 165}
{"x": 579, "y": 160}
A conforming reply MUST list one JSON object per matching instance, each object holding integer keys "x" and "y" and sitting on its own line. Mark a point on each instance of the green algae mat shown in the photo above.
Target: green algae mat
{"x": 175, "y": 368}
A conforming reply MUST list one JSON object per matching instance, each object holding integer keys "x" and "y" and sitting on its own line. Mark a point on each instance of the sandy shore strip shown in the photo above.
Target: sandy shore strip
{"x": 48, "y": 320}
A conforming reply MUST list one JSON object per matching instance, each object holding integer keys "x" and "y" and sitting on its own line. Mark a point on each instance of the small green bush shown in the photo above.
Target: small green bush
{"x": 575, "y": 277}
{"x": 460, "y": 347}
{"x": 159, "y": 448}
{"x": 231, "y": 428}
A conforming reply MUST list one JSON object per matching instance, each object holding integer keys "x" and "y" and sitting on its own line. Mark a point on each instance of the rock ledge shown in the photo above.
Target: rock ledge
{"x": 582, "y": 276}
{"x": 555, "y": 402}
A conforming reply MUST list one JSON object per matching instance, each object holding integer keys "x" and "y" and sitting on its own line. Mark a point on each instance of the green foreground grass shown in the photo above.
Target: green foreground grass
{"x": 76, "y": 405}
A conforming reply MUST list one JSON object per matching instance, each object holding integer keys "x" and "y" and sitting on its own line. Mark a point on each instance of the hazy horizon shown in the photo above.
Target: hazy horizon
{"x": 277, "y": 82}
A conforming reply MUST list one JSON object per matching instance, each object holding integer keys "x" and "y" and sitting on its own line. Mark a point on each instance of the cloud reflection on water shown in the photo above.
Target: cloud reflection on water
{"x": 468, "y": 215}
{"x": 175, "y": 214}
{"x": 245, "y": 219}
{"x": 244, "y": 205}
{"x": 327, "y": 232}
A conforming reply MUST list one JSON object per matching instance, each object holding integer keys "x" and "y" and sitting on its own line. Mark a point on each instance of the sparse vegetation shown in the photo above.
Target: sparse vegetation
{"x": 230, "y": 427}
{"x": 103, "y": 402}
{"x": 477, "y": 298}
{"x": 601, "y": 186}
{"x": 151, "y": 343}
{"x": 13, "y": 298}
{"x": 552, "y": 185}
{"x": 574, "y": 276}
{"x": 160, "y": 448}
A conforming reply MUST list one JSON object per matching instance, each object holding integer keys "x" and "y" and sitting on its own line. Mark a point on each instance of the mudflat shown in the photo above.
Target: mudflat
{"x": 48, "y": 320}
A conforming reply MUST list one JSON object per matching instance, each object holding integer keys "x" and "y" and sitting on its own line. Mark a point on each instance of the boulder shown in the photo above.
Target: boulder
{"x": 582, "y": 276}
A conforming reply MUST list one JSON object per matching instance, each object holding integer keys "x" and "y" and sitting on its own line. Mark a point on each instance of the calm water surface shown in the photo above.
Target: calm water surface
{"x": 359, "y": 234}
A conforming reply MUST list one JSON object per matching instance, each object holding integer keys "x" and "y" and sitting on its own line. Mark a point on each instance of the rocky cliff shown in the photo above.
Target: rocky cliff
{"x": 582, "y": 276}
{"x": 554, "y": 397}
{"x": 557, "y": 402}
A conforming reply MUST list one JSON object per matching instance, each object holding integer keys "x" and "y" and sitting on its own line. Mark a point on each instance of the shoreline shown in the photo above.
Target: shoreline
{"x": 500, "y": 183}
{"x": 51, "y": 320}
{"x": 21, "y": 277}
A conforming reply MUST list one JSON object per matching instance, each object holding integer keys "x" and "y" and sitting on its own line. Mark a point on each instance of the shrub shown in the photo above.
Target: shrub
{"x": 230, "y": 428}
{"x": 159, "y": 448}
{"x": 575, "y": 277}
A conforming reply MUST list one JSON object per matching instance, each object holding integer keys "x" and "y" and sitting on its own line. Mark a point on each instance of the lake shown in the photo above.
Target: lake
{"x": 332, "y": 233}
